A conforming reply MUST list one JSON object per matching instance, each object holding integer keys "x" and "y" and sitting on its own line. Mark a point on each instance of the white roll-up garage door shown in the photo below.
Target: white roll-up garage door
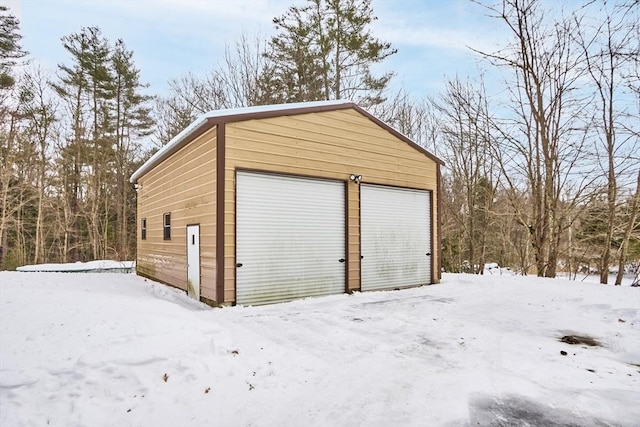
{"x": 395, "y": 237}
{"x": 290, "y": 238}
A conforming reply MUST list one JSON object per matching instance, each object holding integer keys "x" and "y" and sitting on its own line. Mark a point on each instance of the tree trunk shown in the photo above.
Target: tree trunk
{"x": 635, "y": 206}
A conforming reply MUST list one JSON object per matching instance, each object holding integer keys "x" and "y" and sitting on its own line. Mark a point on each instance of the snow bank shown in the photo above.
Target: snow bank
{"x": 99, "y": 266}
{"x": 104, "y": 350}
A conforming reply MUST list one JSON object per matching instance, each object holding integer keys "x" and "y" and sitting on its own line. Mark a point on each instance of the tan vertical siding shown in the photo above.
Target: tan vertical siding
{"x": 330, "y": 145}
{"x": 184, "y": 185}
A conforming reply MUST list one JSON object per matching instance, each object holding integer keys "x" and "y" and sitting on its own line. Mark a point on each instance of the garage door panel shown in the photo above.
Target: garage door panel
{"x": 290, "y": 237}
{"x": 396, "y": 240}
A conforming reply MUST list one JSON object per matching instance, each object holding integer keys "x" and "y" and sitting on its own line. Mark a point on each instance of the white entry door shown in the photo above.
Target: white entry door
{"x": 395, "y": 226}
{"x": 290, "y": 238}
{"x": 193, "y": 261}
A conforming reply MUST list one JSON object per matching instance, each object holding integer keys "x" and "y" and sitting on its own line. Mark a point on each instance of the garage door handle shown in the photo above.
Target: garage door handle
{"x": 428, "y": 253}
{"x": 239, "y": 265}
{"x": 341, "y": 260}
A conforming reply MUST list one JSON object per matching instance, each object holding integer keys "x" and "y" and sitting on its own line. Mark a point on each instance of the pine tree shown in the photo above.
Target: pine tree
{"x": 10, "y": 152}
{"x": 132, "y": 122}
{"x": 325, "y": 50}
{"x": 297, "y": 71}
{"x": 109, "y": 115}
{"x": 72, "y": 87}
{"x": 10, "y": 49}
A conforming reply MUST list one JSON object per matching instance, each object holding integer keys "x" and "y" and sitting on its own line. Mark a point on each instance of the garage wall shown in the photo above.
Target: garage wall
{"x": 331, "y": 145}
{"x": 183, "y": 184}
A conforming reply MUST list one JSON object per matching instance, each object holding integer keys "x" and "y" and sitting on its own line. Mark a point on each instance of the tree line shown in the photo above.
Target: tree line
{"x": 541, "y": 168}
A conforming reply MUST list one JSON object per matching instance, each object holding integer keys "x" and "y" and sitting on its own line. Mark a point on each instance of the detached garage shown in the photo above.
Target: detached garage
{"x": 268, "y": 204}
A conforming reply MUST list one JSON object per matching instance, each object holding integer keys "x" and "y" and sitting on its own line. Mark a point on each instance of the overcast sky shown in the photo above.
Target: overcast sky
{"x": 172, "y": 37}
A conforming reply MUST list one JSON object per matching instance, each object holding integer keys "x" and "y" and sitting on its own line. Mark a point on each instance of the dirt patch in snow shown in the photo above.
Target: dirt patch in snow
{"x": 580, "y": 339}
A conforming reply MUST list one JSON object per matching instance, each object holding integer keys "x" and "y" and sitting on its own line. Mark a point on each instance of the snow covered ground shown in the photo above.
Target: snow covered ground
{"x": 117, "y": 350}
{"x": 78, "y": 267}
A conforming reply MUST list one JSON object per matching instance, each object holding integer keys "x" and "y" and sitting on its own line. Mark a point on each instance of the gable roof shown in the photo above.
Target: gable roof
{"x": 215, "y": 117}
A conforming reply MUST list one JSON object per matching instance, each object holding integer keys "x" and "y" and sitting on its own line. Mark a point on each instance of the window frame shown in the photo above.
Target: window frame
{"x": 143, "y": 229}
{"x": 166, "y": 226}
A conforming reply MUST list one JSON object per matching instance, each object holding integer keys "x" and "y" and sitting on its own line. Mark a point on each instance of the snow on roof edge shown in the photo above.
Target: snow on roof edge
{"x": 276, "y": 107}
{"x": 226, "y": 113}
{"x": 146, "y": 166}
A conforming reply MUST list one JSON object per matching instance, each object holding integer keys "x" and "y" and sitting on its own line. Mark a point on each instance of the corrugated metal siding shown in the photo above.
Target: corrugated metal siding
{"x": 184, "y": 184}
{"x": 325, "y": 145}
{"x": 290, "y": 235}
{"x": 396, "y": 237}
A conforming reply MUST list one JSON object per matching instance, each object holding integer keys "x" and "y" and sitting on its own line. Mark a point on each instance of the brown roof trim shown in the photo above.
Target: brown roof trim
{"x": 197, "y": 131}
{"x": 207, "y": 123}
{"x": 397, "y": 134}
{"x": 278, "y": 113}
{"x": 319, "y": 109}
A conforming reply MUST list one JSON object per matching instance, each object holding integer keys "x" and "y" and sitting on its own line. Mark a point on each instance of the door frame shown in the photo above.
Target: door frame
{"x": 432, "y": 246}
{"x": 193, "y": 230}
{"x": 266, "y": 172}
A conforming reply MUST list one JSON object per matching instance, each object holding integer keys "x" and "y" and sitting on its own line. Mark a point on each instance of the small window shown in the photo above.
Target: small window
{"x": 166, "y": 225}
{"x": 143, "y": 229}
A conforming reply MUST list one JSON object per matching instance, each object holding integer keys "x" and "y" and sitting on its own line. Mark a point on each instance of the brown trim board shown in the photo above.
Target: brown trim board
{"x": 347, "y": 258}
{"x": 439, "y": 222}
{"x": 433, "y": 240}
{"x": 360, "y": 256}
{"x": 220, "y": 186}
{"x": 292, "y": 175}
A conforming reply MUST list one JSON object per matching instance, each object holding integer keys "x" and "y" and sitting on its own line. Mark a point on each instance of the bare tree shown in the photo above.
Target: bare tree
{"x": 238, "y": 81}
{"x": 417, "y": 119}
{"x": 466, "y": 133}
{"x": 10, "y": 199}
{"x": 609, "y": 47}
{"x": 39, "y": 112}
{"x": 542, "y": 148}
{"x": 632, "y": 224}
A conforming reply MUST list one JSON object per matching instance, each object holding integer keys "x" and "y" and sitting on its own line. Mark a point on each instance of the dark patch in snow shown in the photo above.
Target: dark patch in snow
{"x": 580, "y": 339}
{"x": 519, "y": 411}
{"x": 411, "y": 299}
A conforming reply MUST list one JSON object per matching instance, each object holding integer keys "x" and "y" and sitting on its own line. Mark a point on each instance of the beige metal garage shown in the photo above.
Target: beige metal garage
{"x": 272, "y": 203}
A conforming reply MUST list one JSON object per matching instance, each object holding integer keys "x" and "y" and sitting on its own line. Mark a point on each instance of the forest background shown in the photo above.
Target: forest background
{"x": 542, "y": 178}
